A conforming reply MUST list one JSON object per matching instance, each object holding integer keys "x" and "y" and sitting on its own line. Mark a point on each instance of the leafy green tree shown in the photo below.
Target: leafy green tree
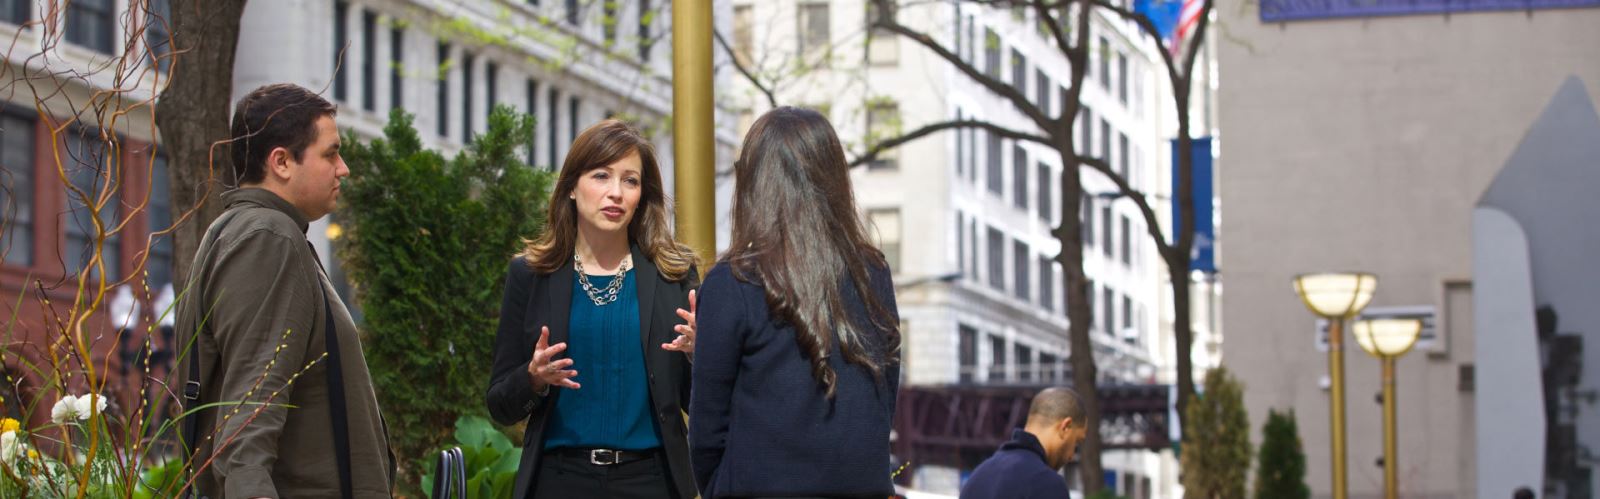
{"x": 1216, "y": 440}
{"x": 1281, "y": 473}
{"x": 425, "y": 241}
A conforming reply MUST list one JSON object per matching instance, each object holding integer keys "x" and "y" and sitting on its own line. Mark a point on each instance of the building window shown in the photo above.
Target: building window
{"x": 1047, "y": 368}
{"x": 972, "y": 155}
{"x": 397, "y": 52}
{"x": 1105, "y": 223}
{"x": 997, "y": 358}
{"x": 961, "y": 148}
{"x": 997, "y": 259}
{"x": 968, "y": 354}
{"x": 87, "y": 161}
{"x": 1025, "y": 367}
{"x": 341, "y": 38}
{"x": 883, "y": 122}
{"x": 573, "y": 107}
{"x": 491, "y": 80}
{"x": 886, "y": 234}
{"x": 1086, "y": 215}
{"x": 1122, "y": 78}
{"x": 1105, "y": 64}
{"x": 991, "y": 53}
{"x": 16, "y": 12}
{"x": 1105, "y": 140}
{"x": 158, "y": 214}
{"x": 1086, "y": 131}
{"x": 1019, "y": 176}
{"x": 971, "y": 38}
{"x": 16, "y": 188}
{"x": 1047, "y": 284}
{"x": 1122, "y": 155}
{"x": 1019, "y": 71}
{"x": 961, "y": 241}
{"x": 442, "y": 95}
{"x": 1042, "y": 89}
{"x": 883, "y": 46}
{"x": 1129, "y": 334}
{"x": 1022, "y": 276}
{"x": 1126, "y": 248}
{"x": 157, "y": 31}
{"x": 814, "y": 31}
{"x": 1088, "y": 295}
{"x": 995, "y": 168}
{"x": 646, "y": 38}
{"x": 1046, "y": 187}
{"x": 90, "y": 24}
{"x": 573, "y": 12}
{"x": 743, "y": 34}
{"x": 555, "y": 134}
{"x": 533, "y": 110}
{"x": 1109, "y": 320}
{"x": 369, "y": 60}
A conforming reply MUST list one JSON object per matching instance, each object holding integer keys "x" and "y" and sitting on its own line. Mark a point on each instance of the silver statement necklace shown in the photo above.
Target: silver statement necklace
{"x": 601, "y": 297}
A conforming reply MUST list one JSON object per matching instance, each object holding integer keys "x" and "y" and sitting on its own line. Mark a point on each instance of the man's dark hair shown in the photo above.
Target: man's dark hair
{"x": 278, "y": 115}
{"x": 1523, "y": 493}
{"x": 1057, "y": 403}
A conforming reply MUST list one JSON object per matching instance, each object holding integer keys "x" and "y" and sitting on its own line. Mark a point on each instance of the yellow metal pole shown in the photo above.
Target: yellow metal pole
{"x": 1336, "y": 372}
{"x": 694, "y": 145}
{"x": 1391, "y": 453}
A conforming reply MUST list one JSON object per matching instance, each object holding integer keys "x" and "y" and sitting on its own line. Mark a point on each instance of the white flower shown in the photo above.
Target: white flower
{"x": 10, "y": 447}
{"x": 90, "y": 404}
{"x": 65, "y": 410}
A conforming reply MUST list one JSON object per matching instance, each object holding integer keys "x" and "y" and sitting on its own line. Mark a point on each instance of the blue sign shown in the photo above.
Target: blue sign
{"x": 1202, "y": 255}
{"x": 1300, "y": 10}
{"x": 1162, "y": 13}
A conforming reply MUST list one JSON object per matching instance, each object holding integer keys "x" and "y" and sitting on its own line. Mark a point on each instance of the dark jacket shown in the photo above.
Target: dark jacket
{"x": 261, "y": 301}
{"x": 533, "y": 300}
{"x": 761, "y": 425}
{"x": 1016, "y": 471}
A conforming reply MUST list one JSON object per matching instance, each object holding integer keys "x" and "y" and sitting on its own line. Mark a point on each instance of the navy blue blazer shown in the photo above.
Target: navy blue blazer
{"x": 761, "y": 425}
{"x": 533, "y": 300}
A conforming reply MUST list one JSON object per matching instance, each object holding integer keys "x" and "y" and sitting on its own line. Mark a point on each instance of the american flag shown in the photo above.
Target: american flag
{"x": 1188, "y": 17}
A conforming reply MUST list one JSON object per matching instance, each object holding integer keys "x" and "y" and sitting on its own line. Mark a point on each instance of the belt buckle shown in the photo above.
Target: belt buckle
{"x": 602, "y": 457}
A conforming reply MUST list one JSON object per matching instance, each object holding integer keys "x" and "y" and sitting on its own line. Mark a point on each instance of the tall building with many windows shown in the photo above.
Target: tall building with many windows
{"x": 965, "y": 216}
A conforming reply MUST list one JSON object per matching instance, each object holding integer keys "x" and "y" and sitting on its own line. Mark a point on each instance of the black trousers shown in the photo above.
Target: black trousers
{"x": 566, "y": 477}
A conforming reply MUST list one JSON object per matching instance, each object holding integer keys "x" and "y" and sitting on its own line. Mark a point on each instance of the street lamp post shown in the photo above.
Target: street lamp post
{"x": 1336, "y": 297}
{"x": 1388, "y": 339}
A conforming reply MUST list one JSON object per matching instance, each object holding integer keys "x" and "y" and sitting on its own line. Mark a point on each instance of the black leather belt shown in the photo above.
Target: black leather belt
{"x": 605, "y": 457}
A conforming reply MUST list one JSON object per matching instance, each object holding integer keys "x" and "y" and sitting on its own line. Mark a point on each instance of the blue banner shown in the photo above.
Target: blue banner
{"x": 1300, "y": 10}
{"x": 1162, "y": 13}
{"x": 1202, "y": 256}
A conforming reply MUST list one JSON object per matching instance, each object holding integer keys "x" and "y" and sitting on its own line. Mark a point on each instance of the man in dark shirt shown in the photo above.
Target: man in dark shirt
{"x": 1026, "y": 467}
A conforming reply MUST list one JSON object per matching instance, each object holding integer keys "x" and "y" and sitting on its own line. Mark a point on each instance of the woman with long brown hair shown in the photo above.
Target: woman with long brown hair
{"x": 798, "y": 355}
{"x": 591, "y": 351}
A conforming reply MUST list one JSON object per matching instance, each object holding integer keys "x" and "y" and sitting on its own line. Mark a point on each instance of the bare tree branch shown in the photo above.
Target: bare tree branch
{"x": 772, "y": 100}
{"x": 872, "y": 153}
{"x": 1152, "y": 224}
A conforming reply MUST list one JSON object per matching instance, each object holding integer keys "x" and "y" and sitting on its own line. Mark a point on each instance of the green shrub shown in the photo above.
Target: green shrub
{"x": 1281, "y": 472}
{"x": 425, "y": 242}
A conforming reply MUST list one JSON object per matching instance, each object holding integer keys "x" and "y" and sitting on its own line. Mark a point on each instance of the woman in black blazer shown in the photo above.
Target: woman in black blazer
{"x": 591, "y": 351}
{"x": 798, "y": 355}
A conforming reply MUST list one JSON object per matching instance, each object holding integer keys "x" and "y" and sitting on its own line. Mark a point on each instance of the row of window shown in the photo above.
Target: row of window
{"x": 1033, "y": 277}
{"x": 92, "y": 24}
{"x": 1020, "y": 363}
{"x": 814, "y": 35}
{"x": 1108, "y": 63}
{"x": 458, "y": 110}
{"x": 89, "y": 165}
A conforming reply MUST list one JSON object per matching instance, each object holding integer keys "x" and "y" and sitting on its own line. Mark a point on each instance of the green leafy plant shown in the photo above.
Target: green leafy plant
{"x": 491, "y": 459}
{"x": 425, "y": 242}
{"x": 1281, "y": 472}
{"x": 1216, "y": 440}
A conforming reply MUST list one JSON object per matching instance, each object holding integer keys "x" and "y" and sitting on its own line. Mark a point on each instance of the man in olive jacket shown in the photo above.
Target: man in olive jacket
{"x": 260, "y": 307}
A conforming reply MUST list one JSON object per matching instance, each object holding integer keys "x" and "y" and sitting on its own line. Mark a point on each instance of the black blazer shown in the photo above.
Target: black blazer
{"x": 532, "y": 300}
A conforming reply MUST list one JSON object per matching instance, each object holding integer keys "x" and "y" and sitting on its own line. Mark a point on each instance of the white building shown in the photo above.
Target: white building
{"x": 966, "y": 218}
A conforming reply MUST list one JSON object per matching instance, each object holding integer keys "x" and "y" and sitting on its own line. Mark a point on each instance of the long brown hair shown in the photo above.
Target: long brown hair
{"x": 602, "y": 144}
{"x": 797, "y": 234}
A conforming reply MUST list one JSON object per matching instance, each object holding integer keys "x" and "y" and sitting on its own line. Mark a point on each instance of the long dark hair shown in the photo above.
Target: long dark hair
{"x": 796, "y": 232}
{"x": 602, "y": 144}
